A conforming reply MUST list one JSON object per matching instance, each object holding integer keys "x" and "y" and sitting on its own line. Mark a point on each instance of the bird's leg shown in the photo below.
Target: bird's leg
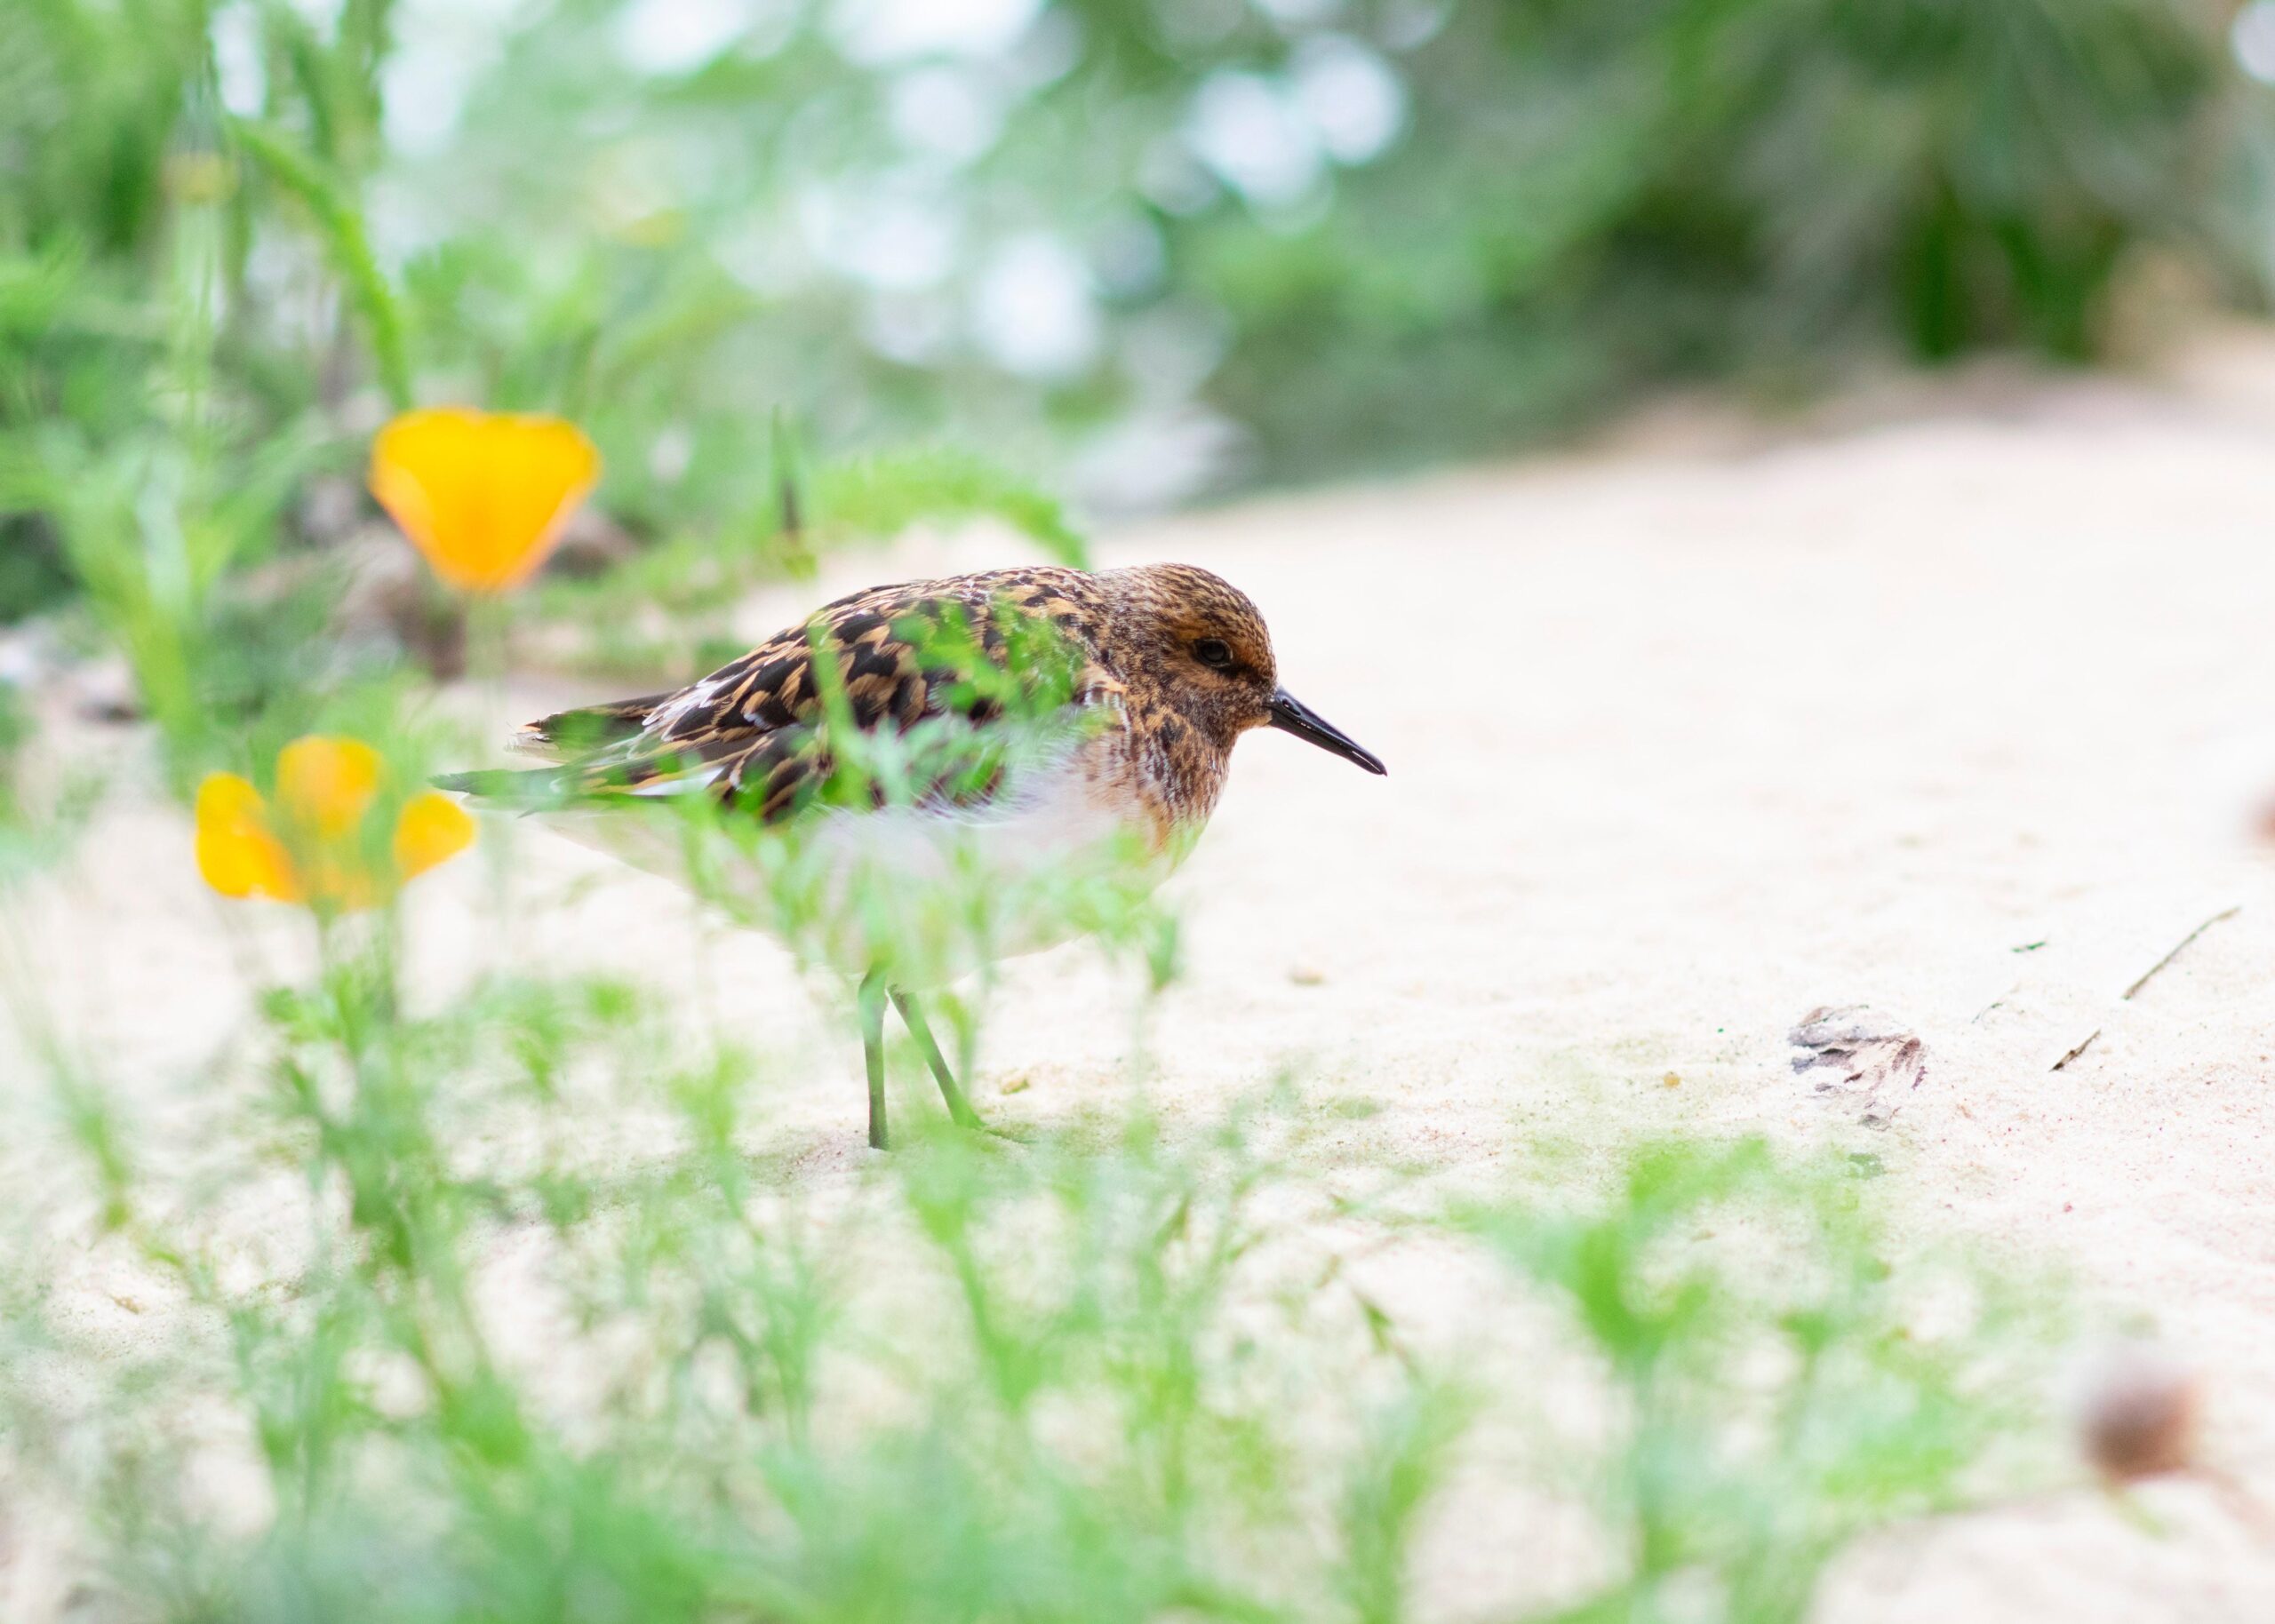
{"x": 871, "y": 1001}
{"x": 959, "y": 1108}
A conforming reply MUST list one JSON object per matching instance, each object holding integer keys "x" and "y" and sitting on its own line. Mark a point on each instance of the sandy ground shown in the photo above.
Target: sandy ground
{"x": 1960, "y": 705}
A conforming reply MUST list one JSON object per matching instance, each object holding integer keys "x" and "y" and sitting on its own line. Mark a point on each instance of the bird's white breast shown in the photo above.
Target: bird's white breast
{"x": 1056, "y": 814}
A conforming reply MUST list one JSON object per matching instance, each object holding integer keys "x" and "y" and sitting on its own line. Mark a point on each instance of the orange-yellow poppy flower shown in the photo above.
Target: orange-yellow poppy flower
{"x": 483, "y": 495}
{"x": 309, "y": 847}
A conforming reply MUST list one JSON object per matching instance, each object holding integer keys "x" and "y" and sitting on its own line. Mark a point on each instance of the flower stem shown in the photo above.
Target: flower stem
{"x": 487, "y": 625}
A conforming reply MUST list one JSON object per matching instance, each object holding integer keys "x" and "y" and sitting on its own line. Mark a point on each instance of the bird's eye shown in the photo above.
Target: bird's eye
{"x": 1213, "y": 651}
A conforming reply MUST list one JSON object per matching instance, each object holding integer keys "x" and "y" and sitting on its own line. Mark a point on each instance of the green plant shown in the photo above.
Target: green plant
{"x": 463, "y": 1358}
{"x": 1777, "y": 1385}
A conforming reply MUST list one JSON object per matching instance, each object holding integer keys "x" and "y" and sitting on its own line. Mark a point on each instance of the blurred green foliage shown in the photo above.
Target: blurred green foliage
{"x": 1710, "y": 1260}
{"x": 1151, "y": 247}
{"x": 514, "y": 1375}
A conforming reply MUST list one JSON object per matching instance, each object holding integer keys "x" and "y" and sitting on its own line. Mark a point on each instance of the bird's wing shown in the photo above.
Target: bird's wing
{"x": 750, "y": 732}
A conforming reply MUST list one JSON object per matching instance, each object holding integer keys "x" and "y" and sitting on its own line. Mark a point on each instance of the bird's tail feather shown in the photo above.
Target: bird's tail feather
{"x": 567, "y": 735}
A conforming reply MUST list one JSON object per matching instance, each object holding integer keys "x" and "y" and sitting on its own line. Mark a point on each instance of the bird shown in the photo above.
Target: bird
{"x": 1163, "y": 667}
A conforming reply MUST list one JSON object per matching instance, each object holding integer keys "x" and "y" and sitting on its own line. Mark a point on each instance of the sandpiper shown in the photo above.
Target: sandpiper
{"x": 1172, "y": 664}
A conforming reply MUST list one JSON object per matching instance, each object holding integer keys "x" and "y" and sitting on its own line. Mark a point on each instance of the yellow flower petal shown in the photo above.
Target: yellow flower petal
{"x": 324, "y": 785}
{"x": 432, "y": 830}
{"x": 236, "y": 852}
{"x": 483, "y": 495}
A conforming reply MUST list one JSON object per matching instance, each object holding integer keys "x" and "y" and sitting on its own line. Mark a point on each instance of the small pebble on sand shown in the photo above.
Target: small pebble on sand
{"x": 2141, "y": 1416}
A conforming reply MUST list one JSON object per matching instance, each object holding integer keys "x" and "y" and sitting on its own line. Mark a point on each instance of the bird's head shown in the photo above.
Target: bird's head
{"x": 1204, "y": 647}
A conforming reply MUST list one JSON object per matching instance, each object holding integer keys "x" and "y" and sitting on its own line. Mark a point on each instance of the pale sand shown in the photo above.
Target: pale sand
{"x": 1686, "y": 739}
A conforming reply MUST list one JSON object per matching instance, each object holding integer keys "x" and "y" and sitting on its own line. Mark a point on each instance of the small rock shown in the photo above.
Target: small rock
{"x": 1306, "y": 975}
{"x": 2141, "y": 1416}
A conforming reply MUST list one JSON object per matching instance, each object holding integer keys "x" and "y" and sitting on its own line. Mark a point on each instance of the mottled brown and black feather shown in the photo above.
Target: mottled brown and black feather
{"x": 750, "y": 732}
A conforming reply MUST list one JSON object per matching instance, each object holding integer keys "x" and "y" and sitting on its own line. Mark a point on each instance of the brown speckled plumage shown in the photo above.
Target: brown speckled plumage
{"x": 1173, "y": 662}
{"x": 749, "y": 728}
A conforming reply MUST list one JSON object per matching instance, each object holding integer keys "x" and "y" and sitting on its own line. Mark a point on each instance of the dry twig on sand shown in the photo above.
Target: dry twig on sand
{"x": 2142, "y": 980}
{"x": 2180, "y": 947}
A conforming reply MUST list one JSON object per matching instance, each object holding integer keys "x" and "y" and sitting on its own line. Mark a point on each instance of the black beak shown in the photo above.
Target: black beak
{"x": 1289, "y": 714}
